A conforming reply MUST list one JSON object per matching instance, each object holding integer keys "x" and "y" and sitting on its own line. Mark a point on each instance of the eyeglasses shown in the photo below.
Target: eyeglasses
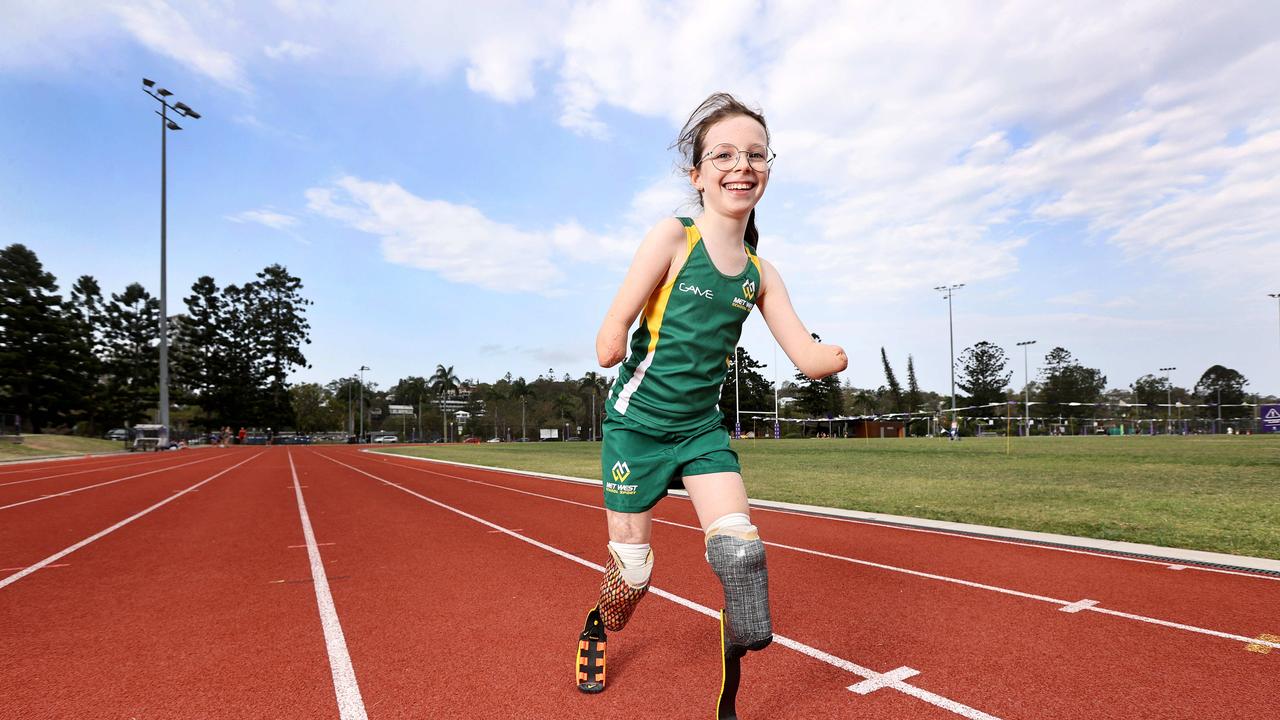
{"x": 726, "y": 156}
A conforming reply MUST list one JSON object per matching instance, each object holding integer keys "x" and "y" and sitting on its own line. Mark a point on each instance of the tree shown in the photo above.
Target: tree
{"x": 596, "y": 387}
{"x": 819, "y": 398}
{"x": 278, "y": 313}
{"x": 35, "y": 345}
{"x": 913, "y": 387}
{"x": 1221, "y": 386}
{"x": 86, "y": 317}
{"x": 891, "y": 380}
{"x": 199, "y": 353}
{"x": 131, "y": 364}
{"x": 312, "y": 408}
{"x": 1067, "y": 381}
{"x": 754, "y": 392}
{"x": 983, "y": 375}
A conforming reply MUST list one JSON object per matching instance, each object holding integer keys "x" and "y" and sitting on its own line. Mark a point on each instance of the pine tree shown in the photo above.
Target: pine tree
{"x": 86, "y": 314}
{"x": 983, "y": 374}
{"x": 35, "y": 342}
{"x": 1067, "y": 381}
{"x": 131, "y": 363}
{"x": 755, "y": 392}
{"x": 278, "y": 311}
{"x": 913, "y": 387}
{"x": 895, "y": 390}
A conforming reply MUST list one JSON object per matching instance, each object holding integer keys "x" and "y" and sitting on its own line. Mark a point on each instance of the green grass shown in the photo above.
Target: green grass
{"x": 39, "y": 446}
{"x": 1215, "y": 493}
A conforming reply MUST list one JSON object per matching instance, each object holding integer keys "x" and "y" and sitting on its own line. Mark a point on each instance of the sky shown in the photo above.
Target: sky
{"x": 465, "y": 183}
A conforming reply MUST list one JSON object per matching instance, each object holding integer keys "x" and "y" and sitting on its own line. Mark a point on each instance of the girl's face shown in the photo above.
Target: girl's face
{"x": 731, "y": 192}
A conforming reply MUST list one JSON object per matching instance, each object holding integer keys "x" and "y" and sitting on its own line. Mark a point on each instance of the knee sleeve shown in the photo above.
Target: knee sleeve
{"x": 736, "y": 554}
{"x": 619, "y": 598}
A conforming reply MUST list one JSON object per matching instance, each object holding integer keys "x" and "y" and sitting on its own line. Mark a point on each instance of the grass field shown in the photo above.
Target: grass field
{"x": 1216, "y": 493}
{"x": 37, "y": 446}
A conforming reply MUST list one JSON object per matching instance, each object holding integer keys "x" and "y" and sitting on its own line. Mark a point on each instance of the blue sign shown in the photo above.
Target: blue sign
{"x": 777, "y": 430}
{"x": 1270, "y": 417}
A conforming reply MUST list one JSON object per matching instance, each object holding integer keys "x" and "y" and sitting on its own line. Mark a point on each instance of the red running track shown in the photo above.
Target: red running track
{"x": 326, "y": 582}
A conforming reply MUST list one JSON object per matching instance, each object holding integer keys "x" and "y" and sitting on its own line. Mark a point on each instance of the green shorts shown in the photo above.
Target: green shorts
{"x": 638, "y": 464}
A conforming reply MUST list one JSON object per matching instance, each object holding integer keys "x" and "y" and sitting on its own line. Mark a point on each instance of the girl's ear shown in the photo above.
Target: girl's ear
{"x": 695, "y": 179}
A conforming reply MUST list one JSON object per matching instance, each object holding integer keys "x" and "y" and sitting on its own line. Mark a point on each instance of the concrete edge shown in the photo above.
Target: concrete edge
{"x": 1198, "y": 557}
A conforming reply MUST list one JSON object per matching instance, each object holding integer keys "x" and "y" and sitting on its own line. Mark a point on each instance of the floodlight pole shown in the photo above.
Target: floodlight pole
{"x": 1168, "y": 414}
{"x": 165, "y": 125}
{"x": 1026, "y": 384}
{"x": 361, "y": 438}
{"x": 948, "y": 291}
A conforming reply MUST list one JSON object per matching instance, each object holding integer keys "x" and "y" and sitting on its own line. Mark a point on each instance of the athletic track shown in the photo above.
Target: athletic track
{"x": 323, "y": 582}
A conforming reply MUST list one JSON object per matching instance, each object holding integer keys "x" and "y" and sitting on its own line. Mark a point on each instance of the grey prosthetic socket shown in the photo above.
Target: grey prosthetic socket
{"x": 736, "y": 554}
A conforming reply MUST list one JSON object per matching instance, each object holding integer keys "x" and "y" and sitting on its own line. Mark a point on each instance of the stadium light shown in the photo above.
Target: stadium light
{"x": 165, "y": 125}
{"x": 948, "y": 291}
{"x": 361, "y": 438}
{"x": 1026, "y": 383}
{"x": 1168, "y": 410}
{"x": 1276, "y": 296}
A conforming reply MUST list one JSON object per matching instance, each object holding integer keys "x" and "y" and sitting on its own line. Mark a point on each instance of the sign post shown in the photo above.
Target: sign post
{"x": 1269, "y": 418}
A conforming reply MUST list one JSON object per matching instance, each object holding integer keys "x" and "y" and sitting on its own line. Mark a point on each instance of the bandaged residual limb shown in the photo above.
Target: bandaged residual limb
{"x": 621, "y": 590}
{"x": 736, "y": 555}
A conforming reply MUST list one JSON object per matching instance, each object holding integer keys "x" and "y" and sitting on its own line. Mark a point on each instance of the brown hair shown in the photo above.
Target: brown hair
{"x": 717, "y": 107}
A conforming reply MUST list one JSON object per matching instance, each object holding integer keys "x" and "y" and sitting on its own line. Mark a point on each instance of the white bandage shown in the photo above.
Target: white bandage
{"x": 636, "y": 562}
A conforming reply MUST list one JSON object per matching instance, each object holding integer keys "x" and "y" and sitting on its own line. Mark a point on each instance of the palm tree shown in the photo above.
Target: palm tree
{"x": 445, "y": 383}
{"x": 520, "y": 390}
{"x": 596, "y": 385}
{"x": 495, "y": 394}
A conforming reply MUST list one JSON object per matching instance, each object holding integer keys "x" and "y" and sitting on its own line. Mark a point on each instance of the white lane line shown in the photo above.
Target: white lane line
{"x": 867, "y": 674}
{"x": 63, "y": 553}
{"x": 99, "y": 468}
{"x": 885, "y": 680}
{"x": 1078, "y": 605}
{"x": 756, "y": 505}
{"x": 109, "y": 482}
{"x": 917, "y": 573}
{"x": 350, "y": 704}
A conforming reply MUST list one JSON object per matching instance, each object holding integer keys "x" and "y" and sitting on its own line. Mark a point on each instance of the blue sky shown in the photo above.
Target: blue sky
{"x": 465, "y": 184}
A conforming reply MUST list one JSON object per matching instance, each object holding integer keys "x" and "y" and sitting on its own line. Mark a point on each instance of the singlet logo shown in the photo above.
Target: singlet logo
{"x": 621, "y": 472}
{"x": 708, "y": 294}
{"x": 749, "y": 289}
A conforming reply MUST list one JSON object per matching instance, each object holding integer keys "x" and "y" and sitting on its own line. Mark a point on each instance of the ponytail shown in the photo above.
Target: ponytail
{"x": 752, "y": 236}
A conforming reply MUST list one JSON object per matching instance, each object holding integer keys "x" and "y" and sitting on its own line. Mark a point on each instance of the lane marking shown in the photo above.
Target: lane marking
{"x": 100, "y": 468}
{"x": 101, "y": 484}
{"x": 841, "y": 663}
{"x": 889, "y": 679}
{"x": 757, "y": 505}
{"x": 291, "y": 547}
{"x": 1176, "y": 567}
{"x": 1264, "y": 646}
{"x": 350, "y": 704}
{"x": 1078, "y": 605}
{"x": 881, "y": 566}
{"x": 63, "y": 553}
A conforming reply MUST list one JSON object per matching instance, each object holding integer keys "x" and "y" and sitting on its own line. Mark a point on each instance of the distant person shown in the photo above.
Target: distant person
{"x": 241, "y": 436}
{"x": 693, "y": 282}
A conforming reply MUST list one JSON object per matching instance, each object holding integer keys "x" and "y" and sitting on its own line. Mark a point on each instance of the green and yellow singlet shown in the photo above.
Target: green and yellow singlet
{"x": 680, "y": 353}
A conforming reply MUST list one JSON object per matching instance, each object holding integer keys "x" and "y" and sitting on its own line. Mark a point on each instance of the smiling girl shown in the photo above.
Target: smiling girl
{"x": 696, "y": 281}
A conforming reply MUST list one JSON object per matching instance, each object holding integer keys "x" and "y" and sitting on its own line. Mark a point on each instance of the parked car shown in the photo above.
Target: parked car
{"x": 494, "y": 440}
{"x": 472, "y": 440}
{"x": 117, "y": 434}
{"x": 386, "y": 439}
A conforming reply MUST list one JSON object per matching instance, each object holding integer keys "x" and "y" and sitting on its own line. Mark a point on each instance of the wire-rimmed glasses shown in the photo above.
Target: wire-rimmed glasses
{"x": 726, "y": 156}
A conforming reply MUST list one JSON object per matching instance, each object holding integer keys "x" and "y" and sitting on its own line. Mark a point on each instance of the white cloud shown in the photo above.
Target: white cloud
{"x": 289, "y": 50}
{"x": 164, "y": 30}
{"x": 455, "y": 241}
{"x": 269, "y": 218}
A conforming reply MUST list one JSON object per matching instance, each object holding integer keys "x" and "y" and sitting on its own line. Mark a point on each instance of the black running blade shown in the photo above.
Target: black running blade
{"x": 731, "y": 666}
{"x": 589, "y": 663}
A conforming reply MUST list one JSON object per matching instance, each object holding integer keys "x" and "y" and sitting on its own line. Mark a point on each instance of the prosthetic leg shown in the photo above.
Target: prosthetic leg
{"x": 736, "y": 554}
{"x": 618, "y": 600}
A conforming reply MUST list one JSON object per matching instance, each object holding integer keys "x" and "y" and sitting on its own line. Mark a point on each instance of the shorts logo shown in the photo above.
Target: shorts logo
{"x": 749, "y": 289}
{"x": 621, "y": 472}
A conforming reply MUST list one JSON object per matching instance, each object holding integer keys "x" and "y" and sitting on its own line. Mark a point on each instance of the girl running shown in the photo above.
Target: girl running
{"x": 696, "y": 281}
